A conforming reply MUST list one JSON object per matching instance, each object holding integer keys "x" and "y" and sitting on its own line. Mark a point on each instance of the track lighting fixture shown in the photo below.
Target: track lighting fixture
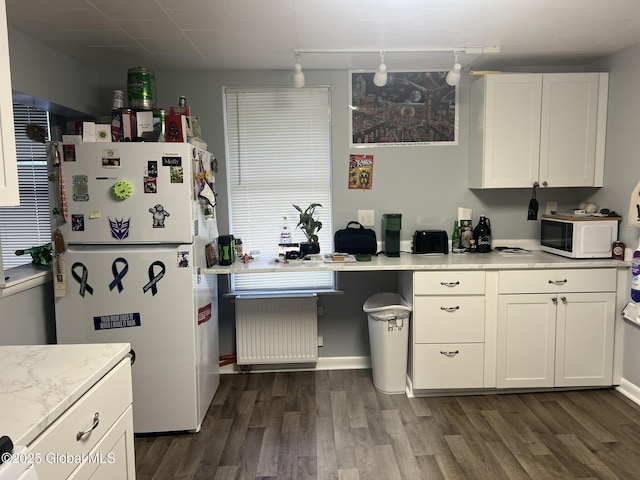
{"x": 380, "y": 78}
{"x": 298, "y": 74}
{"x": 453, "y": 77}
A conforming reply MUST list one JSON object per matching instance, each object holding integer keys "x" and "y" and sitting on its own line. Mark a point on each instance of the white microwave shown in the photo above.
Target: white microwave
{"x": 578, "y": 237}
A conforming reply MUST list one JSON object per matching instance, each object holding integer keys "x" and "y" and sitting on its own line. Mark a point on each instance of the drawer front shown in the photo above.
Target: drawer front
{"x": 448, "y": 283}
{"x": 114, "y": 453}
{"x": 557, "y": 281}
{"x": 446, "y": 319}
{"x": 448, "y": 365}
{"x": 110, "y": 397}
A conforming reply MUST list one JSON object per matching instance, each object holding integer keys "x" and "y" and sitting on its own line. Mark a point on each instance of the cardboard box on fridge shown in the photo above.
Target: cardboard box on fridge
{"x": 175, "y": 128}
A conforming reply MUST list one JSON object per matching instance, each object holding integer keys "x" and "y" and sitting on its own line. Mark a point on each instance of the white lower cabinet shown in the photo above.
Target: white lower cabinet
{"x": 93, "y": 439}
{"x": 561, "y": 338}
{"x": 447, "y": 329}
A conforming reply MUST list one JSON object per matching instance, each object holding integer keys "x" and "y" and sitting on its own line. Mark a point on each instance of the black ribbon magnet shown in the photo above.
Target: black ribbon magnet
{"x": 118, "y": 275}
{"x": 154, "y": 278}
{"x": 81, "y": 278}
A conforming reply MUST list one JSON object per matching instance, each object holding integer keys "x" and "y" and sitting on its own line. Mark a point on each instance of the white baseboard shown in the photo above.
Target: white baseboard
{"x": 629, "y": 390}
{"x": 323, "y": 363}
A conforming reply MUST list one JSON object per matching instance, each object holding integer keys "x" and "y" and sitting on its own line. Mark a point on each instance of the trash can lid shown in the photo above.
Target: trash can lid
{"x": 385, "y": 301}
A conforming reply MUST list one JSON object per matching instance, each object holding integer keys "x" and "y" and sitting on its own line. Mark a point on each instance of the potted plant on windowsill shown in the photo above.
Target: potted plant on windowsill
{"x": 309, "y": 226}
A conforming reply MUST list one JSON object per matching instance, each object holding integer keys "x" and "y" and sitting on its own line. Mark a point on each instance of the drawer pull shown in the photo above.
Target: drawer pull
{"x": 449, "y": 284}
{"x": 96, "y": 422}
{"x": 558, "y": 282}
{"x": 450, "y": 309}
{"x": 450, "y": 354}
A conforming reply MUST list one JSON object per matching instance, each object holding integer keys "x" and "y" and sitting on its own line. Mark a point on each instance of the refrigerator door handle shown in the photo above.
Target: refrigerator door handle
{"x": 132, "y": 356}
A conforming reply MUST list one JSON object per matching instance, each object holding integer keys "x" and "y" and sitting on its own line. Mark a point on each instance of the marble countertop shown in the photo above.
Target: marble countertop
{"x": 38, "y": 383}
{"x": 535, "y": 259}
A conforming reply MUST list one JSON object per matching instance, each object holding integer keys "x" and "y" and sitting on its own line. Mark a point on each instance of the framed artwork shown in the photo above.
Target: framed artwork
{"x": 412, "y": 109}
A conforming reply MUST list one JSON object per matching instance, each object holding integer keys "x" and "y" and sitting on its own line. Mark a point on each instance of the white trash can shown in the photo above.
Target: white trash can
{"x": 389, "y": 340}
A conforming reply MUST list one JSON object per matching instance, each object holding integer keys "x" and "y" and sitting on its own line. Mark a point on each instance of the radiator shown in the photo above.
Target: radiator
{"x": 272, "y": 329}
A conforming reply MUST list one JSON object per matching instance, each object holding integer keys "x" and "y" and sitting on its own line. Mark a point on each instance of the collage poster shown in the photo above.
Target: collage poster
{"x": 360, "y": 172}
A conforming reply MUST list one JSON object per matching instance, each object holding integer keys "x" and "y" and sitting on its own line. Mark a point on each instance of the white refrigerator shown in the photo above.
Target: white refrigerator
{"x": 140, "y": 217}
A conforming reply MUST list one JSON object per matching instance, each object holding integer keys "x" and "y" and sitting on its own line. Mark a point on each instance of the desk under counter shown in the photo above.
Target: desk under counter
{"x": 598, "y": 286}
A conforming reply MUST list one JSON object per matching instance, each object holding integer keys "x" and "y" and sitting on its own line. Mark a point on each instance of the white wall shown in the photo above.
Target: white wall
{"x": 52, "y": 81}
{"x": 622, "y": 168}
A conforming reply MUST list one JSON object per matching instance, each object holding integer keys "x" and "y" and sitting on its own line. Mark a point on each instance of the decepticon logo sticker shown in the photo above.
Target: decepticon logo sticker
{"x": 119, "y": 228}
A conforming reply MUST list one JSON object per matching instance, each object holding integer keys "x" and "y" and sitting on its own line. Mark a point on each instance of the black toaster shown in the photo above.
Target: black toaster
{"x": 430, "y": 241}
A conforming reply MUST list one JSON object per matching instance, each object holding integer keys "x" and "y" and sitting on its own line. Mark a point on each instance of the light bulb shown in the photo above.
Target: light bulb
{"x": 380, "y": 78}
{"x": 453, "y": 77}
{"x": 298, "y": 76}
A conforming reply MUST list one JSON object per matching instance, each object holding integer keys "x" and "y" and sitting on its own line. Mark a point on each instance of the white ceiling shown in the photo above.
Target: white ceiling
{"x": 262, "y": 34}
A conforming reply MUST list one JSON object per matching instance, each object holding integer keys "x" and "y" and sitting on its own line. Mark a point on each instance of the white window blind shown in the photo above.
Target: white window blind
{"x": 278, "y": 154}
{"x": 27, "y": 225}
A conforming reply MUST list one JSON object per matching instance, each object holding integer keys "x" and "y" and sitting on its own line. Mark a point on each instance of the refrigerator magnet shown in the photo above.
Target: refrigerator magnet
{"x": 69, "y": 152}
{"x": 159, "y": 214}
{"x": 82, "y": 278}
{"x": 150, "y": 185}
{"x": 183, "y": 259}
{"x": 176, "y": 174}
{"x": 118, "y": 320}
{"x": 119, "y": 228}
{"x": 77, "y": 222}
{"x": 171, "y": 161}
{"x": 80, "y": 188}
{"x": 110, "y": 158}
{"x": 154, "y": 278}
{"x": 152, "y": 168}
{"x": 118, "y": 273}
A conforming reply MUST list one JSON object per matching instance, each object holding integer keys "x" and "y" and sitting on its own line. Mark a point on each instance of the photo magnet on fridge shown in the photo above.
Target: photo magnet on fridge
{"x": 77, "y": 222}
{"x": 150, "y": 185}
{"x": 183, "y": 258}
{"x": 80, "y": 188}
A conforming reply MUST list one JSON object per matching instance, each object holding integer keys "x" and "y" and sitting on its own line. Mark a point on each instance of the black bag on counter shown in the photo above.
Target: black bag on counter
{"x": 358, "y": 240}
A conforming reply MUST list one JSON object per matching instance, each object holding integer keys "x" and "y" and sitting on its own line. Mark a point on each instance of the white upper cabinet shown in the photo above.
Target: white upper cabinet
{"x": 533, "y": 127}
{"x": 9, "y": 194}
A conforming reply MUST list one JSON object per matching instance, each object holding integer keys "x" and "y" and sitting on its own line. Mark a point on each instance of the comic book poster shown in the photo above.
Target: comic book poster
{"x": 361, "y": 172}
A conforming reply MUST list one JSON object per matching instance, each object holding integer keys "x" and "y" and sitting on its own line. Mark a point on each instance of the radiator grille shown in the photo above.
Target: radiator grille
{"x": 276, "y": 329}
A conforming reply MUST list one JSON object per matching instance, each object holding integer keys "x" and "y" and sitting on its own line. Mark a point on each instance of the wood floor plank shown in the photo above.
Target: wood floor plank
{"x": 336, "y": 425}
{"x": 401, "y": 444}
{"x": 326, "y": 457}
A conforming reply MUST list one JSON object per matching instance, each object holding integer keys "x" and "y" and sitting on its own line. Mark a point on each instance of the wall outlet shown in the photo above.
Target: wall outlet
{"x": 320, "y": 341}
{"x": 551, "y": 207}
{"x": 366, "y": 218}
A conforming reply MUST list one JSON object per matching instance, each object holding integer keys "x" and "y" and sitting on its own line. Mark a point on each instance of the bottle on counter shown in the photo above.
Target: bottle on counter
{"x": 635, "y": 275}
{"x": 285, "y": 233}
{"x": 466, "y": 234}
{"x": 482, "y": 235}
{"x": 455, "y": 236}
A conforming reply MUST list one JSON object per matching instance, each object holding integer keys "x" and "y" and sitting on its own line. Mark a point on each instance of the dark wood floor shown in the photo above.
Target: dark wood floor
{"x": 334, "y": 425}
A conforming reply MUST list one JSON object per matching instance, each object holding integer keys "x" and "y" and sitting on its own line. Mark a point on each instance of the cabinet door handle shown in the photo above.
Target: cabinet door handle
{"x": 449, "y": 284}
{"x": 96, "y": 422}
{"x": 554, "y": 300}
{"x": 564, "y": 299}
{"x": 450, "y": 354}
{"x": 450, "y": 309}
{"x": 558, "y": 282}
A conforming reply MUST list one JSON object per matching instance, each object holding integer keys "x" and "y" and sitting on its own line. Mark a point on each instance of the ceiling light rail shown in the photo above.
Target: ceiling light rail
{"x": 380, "y": 77}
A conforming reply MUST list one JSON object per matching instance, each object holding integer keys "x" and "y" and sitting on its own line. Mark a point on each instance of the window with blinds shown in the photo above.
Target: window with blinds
{"x": 278, "y": 155}
{"x": 27, "y": 225}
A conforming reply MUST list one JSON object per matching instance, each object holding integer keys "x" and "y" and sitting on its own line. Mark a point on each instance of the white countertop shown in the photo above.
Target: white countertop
{"x": 407, "y": 261}
{"x": 40, "y": 382}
